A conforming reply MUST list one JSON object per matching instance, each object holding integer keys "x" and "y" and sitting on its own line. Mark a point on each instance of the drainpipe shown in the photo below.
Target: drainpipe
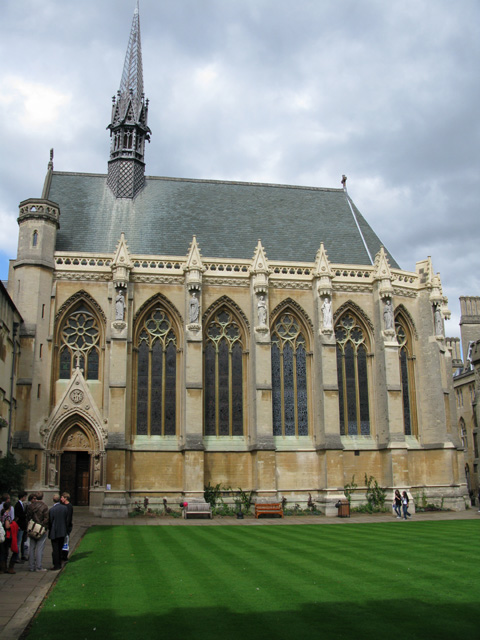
{"x": 12, "y": 380}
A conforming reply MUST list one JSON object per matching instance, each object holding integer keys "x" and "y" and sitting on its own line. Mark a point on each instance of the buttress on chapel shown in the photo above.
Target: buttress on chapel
{"x": 162, "y": 352}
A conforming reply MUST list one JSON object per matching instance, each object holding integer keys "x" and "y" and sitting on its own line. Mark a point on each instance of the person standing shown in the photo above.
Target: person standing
{"x": 65, "y": 498}
{"x": 405, "y": 505}
{"x": 21, "y": 518}
{"x": 10, "y": 543}
{"x": 397, "y": 501}
{"x": 37, "y": 511}
{"x": 57, "y": 526}
{"x": 6, "y": 498}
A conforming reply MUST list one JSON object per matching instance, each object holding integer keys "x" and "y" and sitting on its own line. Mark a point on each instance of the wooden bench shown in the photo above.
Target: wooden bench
{"x": 268, "y": 509}
{"x": 197, "y": 508}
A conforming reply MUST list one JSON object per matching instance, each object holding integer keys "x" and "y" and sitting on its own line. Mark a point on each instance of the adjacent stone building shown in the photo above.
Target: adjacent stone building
{"x": 10, "y": 320}
{"x": 179, "y": 333}
{"x": 466, "y": 366}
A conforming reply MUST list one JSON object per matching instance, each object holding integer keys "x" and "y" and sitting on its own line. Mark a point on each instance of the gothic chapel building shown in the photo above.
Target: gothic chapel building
{"x": 161, "y": 352}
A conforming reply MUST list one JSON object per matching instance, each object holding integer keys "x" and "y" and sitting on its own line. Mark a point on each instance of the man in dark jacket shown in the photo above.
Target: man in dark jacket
{"x": 57, "y": 526}
{"x": 21, "y": 518}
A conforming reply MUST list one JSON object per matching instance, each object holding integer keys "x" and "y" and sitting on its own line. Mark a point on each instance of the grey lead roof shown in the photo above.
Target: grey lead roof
{"x": 228, "y": 219}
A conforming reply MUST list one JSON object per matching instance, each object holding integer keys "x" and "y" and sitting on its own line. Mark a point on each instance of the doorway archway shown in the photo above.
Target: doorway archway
{"x": 80, "y": 459}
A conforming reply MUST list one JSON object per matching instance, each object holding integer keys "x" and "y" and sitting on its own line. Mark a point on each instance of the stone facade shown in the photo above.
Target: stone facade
{"x": 97, "y": 416}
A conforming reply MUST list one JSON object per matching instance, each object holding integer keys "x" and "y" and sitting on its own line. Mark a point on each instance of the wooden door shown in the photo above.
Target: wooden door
{"x": 68, "y": 469}
{"x": 82, "y": 479}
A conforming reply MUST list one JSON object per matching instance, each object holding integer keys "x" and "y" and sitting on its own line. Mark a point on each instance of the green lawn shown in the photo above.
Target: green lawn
{"x": 379, "y": 580}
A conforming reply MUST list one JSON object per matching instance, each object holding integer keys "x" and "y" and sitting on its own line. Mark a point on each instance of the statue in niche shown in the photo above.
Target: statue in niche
{"x": 388, "y": 319}
{"x": 96, "y": 470}
{"x": 262, "y": 311}
{"x": 52, "y": 471}
{"x": 327, "y": 313}
{"x": 194, "y": 309}
{"x": 119, "y": 305}
{"x": 438, "y": 321}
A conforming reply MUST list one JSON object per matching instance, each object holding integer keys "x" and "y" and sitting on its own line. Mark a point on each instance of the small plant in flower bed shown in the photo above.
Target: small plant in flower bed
{"x": 422, "y": 505}
{"x": 369, "y": 508}
{"x": 297, "y": 510}
{"x": 142, "y": 509}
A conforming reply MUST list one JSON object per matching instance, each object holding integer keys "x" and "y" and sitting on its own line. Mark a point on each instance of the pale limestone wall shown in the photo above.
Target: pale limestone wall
{"x": 230, "y": 470}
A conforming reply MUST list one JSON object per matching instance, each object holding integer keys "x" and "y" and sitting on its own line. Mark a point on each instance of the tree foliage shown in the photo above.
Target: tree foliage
{"x": 12, "y": 474}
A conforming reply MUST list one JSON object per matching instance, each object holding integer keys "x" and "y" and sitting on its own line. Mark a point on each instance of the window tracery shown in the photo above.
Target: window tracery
{"x": 407, "y": 375}
{"x": 79, "y": 344}
{"x": 223, "y": 367}
{"x": 289, "y": 377}
{"x": 156, "y": 366}
{"x": 352, "y": 372}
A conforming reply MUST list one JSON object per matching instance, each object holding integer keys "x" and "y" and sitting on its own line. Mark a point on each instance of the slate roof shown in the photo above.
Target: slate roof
{"x": 228, "y": 219}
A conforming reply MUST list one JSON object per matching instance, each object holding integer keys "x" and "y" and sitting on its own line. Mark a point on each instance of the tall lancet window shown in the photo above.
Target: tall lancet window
{"x": 352, "y": 372}
{"x": 224, "y": 370}
{"x": 79, "y": 339}
{"x": 289, "y": 377}
{"x": 156, "y": 368}
{"x": 407, "y": 375}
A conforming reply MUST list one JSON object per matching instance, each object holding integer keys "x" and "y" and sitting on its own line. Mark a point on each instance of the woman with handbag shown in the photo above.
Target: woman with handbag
{"x": 37, "y": 514}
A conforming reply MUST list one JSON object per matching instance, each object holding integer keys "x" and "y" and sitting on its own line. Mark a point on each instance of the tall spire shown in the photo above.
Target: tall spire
{"x": 128, "y": 128}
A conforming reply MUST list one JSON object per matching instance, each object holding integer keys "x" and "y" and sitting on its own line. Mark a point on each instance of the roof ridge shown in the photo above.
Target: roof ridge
{"x": 211, "y": 181}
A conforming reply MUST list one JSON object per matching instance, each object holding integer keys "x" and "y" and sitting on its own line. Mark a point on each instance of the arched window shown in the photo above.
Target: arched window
{"x": 35, "y": 238}
{"x": 156, "y": 368}
{"x": 289, "y": 377}
{"x": 223, "y": 366}
{"x": 463, "y": 434}
{"x": 352, "y": 372}
{"x": 79, "y": 339}
{"x": 407, "y": 375}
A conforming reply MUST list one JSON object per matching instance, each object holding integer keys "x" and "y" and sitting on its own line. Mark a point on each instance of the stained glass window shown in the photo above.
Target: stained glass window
{"x": 79, "y": 343}
{"x": 223, "y": 368}
{"x": 352, "y": 372}
{"x": 156, "y": 366}
{"x": 407, "y": 376}
{"x": 289, "y": 377}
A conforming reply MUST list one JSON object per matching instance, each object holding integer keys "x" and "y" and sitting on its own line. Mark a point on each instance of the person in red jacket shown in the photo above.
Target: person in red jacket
{"x": 11, "y": 539}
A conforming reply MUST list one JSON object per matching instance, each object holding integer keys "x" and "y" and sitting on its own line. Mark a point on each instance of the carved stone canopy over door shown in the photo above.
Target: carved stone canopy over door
{"x": 76, "y": 439}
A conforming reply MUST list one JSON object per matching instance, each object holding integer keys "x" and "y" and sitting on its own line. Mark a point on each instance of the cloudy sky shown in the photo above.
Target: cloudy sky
{"x": 284, "y": 91}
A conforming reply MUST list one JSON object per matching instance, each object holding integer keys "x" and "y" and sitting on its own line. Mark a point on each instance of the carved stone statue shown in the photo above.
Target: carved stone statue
{"x": 438, "y": 322}
{"x": 327, "y": 313}
{"x": 194, "y": 309}
{"x": 262, "y": 311}
{"x": 119, "y": 306}
{"x": 52, "y": 471}
{"x": 96, "y": 470}
{"x": 388, "y": 320}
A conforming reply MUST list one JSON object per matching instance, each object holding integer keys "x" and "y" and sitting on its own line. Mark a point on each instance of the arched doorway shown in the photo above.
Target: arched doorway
{"x": 80, "y": 458}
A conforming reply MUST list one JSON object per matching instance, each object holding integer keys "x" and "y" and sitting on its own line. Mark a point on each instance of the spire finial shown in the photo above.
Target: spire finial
{"x": 131, "y": 83}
